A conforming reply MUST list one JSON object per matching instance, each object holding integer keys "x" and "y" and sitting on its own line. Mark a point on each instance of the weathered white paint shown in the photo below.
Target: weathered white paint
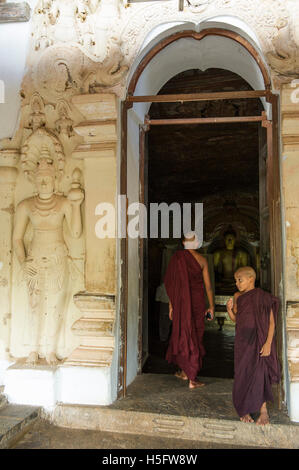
{"x": 84, "y": 385}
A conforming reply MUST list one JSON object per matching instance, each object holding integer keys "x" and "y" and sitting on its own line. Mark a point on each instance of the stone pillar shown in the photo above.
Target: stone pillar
{"x": 97, "y": 303}
{"x": 290, "y": 176}
{"x": 8, "y": 175}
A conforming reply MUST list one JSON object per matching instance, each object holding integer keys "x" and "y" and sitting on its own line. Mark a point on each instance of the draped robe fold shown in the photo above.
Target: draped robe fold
{"x": 185, "y": 289}
{"x": 254, "y": 374}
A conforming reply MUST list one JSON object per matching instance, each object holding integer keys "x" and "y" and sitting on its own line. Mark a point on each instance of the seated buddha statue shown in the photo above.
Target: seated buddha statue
{"x": 226, "y": 261}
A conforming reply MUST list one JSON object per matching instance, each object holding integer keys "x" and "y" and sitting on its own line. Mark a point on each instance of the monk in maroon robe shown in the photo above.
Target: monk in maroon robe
{"x": 185, "y": 277}
{"x": 255, "y": 359}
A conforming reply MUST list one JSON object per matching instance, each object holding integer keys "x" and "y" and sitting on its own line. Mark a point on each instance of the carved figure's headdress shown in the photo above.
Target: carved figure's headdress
{"x": 42, "y": 152}
{"x": 45, "y": 164}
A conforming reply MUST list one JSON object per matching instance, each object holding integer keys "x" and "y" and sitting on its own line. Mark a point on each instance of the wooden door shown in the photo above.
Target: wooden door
{"x": 275, "y": 225}
{"x": 264, "y": 255}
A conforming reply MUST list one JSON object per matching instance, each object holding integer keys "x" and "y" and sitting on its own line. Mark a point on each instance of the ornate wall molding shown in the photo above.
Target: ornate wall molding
{"x": 97, "y": 304}
{"x": 89, "y": 45}
{"x": 264, "y": 17}
{"x": 95, "y": 328}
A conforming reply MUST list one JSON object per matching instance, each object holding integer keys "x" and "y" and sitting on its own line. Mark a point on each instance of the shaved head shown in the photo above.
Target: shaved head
{"x": 247, "y": 271}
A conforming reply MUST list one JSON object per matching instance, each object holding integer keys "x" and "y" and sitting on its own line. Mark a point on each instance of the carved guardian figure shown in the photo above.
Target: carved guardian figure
{"x": 45, "y": 263}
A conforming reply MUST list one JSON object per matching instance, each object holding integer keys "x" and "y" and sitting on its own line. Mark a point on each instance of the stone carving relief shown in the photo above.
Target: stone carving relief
{"x": 92, "y": 24}
{"x": 64, "y": 125}
{"x": 285, "y": 59}
{"x": 88, "y": 45}
{"x": 44, "y": 261}
{"x": 77, "y": 46}
{"x": 37, "y": 117}
{"x": 198, "y": 6}
{"x": 57, "y": 74}
{"x": 262, "y": 16}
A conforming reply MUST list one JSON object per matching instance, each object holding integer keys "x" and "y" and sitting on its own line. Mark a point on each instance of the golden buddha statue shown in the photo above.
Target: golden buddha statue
{"x": 226, "y": 261}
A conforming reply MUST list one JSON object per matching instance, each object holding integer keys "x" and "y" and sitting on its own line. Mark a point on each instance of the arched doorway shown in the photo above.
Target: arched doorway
{"x": 194, "y": 51}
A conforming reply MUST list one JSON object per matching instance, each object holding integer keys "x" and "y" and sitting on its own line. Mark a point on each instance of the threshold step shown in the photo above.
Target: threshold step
{"x": 15, "y": 420}
{"x": 226, "y": 431}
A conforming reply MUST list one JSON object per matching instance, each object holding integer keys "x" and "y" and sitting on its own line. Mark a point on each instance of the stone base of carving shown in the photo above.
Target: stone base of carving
{"x": 45, "y": 386}
{"x": 32, "y": 385}
{"x": 95, "y": 329}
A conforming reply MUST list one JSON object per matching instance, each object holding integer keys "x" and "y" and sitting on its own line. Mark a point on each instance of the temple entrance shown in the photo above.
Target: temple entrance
{"x": 222, "y": 166}
{"x": 208, "y": 133}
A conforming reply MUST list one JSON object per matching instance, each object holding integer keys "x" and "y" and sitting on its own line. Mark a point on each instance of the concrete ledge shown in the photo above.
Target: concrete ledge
{"x": 182, "y": 427}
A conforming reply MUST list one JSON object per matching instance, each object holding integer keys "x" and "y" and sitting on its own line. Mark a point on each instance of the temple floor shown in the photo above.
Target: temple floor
{"x": 166, "y": 394}
{"x": 157, "y": 390}
{"x": 219, "y": 358}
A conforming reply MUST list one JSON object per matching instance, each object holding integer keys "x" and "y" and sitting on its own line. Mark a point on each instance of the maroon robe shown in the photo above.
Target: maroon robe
{"x": 254, "y": 374}
{"x": 185, "y": 289}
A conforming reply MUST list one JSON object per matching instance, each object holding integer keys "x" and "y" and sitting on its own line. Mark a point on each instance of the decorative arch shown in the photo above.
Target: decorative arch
{"x": 198, "y": 36}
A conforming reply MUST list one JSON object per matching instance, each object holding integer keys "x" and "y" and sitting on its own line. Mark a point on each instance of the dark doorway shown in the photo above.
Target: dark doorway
{"x": 223, "y": 166}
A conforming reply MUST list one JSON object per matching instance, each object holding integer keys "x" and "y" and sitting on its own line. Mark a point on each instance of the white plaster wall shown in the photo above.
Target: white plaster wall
{"x": 133, "y": 254}
{"x": 14, "y": 42}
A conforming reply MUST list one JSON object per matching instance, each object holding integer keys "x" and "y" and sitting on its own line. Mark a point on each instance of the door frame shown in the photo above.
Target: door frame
{"x": 273, "y": 185}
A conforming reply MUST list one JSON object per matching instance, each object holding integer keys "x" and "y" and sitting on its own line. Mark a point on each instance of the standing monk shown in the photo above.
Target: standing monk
{"x": 256, "y": 365}
{"x": 185, "y": 278}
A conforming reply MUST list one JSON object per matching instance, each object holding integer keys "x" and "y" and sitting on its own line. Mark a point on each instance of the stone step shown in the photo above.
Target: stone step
{"x": 224, "y": 431}
{"x": 15, "y": 421}
{"x": 3, "y": 400}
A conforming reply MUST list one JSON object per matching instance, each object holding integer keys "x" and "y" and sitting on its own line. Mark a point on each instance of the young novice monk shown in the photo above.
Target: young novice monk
{"x": 255, "y": 360}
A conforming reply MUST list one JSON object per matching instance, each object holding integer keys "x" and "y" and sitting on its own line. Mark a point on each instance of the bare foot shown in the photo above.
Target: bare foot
{"x": 32, "y": 358}
{"x": 264, "y": 417}
{"x": 247, "y": 419}
{"x": 195, "y": 384}
{"x": 181, "y": 375}
{"x": 52, "y": 359}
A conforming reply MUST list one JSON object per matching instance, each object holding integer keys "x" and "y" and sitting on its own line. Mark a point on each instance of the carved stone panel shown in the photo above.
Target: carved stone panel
{"x": 95, "y": 329}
